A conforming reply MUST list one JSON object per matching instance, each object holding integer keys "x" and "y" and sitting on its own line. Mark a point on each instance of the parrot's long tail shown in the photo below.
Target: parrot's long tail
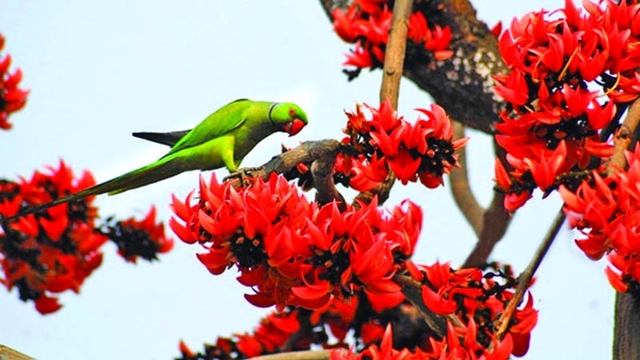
{"x": 168, "y": 138}
{"x": 157, "y": 171}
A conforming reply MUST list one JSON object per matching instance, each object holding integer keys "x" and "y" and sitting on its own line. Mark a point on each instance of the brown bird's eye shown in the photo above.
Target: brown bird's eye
{"x": 292, "y": 112}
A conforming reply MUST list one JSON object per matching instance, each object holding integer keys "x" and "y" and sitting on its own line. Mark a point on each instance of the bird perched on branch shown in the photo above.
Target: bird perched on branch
{"x": 223, "y": 139}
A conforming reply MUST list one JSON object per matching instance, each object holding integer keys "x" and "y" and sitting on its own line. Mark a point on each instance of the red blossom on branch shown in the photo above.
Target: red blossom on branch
{"x": 295, "y": 252}
{"x": 423, "y": 150}
{"x": 55, "y": 250}
{"x": 338, "y": 265}
{"x": 476, "y": 300}
{"x": 271, "y": 336}
{"x": 366, "y": 23}
{"x": 12, "y": 98}
{"x": 606, "y": 211}
{"x": 570, "y": 70}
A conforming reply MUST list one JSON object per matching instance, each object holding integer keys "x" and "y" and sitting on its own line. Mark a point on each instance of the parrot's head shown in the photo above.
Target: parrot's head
{"x": 288, "y": 117}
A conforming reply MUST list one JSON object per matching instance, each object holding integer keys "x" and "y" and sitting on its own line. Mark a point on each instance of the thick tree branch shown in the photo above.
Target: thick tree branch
{"x": 463, "y": 83}
{"x": 320, "y": 154}
{"x": 322, "y": 172}
{"x": 626, "y": 331}
{"x": 622, "y": 138}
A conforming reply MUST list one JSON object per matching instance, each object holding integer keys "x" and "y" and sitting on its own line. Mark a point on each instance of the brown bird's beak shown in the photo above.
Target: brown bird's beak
{"x": 294, "y": 127}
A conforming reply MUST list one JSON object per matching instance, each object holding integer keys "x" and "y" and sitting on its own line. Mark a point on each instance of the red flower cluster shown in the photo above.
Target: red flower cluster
{"x": 273, "y": 334}
{"x": 423, "y": 150}
{"x": 337, "y": 267}
{"x": 294, "y": 252}
{"x": 607, "y": 212}
{"x": 139, "y": 238}
{"x": 449, "y": 348}
{"x": 12, "y": 98}
{"x": 557, "y": 115}
{"x": 475, "y": 302}
{"x": 55, "y": 250}
{"x": 366, "y": 23}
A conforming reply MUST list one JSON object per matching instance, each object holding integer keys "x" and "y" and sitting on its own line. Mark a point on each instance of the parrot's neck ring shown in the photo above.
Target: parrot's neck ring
{"x": 273, "y": 105}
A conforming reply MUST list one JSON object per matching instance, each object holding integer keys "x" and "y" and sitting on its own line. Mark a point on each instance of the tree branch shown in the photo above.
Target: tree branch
{"x": 460, "y": 188}
{"x": 412, "y": 290}
{"x": 525, "y": 278}
{"x": 321, "y": 154}
{"x": 626, "y": 330}
{"x": 297, "y": 355}
{"x": 495, "y": 222}
{"x": 395, "y": 53}
{"x": 7, "y": 353}
{"x": 390, "y": 88}
{"x": 462, "y": 85}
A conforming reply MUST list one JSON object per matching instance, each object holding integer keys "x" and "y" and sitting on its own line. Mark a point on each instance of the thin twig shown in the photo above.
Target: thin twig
{"x": 525, "y": 278}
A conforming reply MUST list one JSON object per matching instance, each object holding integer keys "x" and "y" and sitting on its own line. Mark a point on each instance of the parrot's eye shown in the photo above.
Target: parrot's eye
{"x": 292, "y": 112}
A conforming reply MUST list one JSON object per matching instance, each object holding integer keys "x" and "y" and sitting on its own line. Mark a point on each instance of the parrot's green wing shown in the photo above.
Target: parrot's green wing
{"x": 221, "y": 122}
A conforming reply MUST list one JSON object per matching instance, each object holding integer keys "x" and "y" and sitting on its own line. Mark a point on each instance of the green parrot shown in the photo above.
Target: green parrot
{"x": 223, "y": 139}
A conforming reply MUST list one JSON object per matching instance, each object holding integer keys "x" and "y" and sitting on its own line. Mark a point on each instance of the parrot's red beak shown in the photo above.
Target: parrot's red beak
{"x": 294, "y": 127}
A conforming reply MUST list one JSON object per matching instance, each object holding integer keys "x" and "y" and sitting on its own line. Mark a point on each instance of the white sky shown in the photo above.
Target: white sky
{"x": 101, "y": 70}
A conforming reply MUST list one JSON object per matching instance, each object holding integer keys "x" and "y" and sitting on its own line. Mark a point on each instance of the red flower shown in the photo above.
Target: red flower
{"x": 367, "y": 24}
{"x": 293, "y": 252}
{"x": 513, "y": 89}
{"x": 142, "y": 238}
{"x": 417, "y": 27}
{"x": 606, "y": 210}
{"x": 423, "y": 150}
{"x": 466, "y": 294}
{"x": 345, "y": 25}
{"x": 386, "y": 350}
{"x": 12, "y": 98}
{"x": 54, "y": 251}
{"x": 566, "y": 76}
{"x": 359, "y": 57}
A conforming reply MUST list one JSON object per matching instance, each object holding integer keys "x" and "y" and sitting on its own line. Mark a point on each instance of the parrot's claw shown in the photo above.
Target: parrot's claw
{"x": 242, "y": 175}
